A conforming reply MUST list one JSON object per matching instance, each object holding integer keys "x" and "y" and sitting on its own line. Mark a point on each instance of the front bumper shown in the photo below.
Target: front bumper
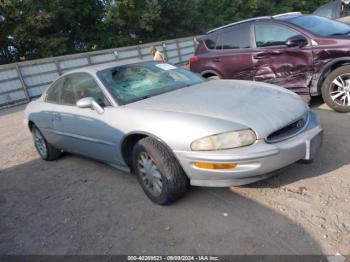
{"x": 255, "y": 162}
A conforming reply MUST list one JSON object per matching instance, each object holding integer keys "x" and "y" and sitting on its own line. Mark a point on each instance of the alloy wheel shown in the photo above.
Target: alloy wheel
{"x": 340, "y": 90}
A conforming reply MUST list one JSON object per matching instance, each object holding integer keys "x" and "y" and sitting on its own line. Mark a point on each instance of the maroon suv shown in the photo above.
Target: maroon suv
{"x": 304, "y": 53}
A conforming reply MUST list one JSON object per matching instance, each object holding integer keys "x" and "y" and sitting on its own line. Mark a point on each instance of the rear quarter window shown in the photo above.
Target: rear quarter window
{"x": 236, "y": 37}
{"x": 211, "y": 41}
{"x": 54, "y": 92}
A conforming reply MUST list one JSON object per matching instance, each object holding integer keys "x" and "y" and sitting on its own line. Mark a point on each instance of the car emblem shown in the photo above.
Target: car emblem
{"x": 300, "y": 123}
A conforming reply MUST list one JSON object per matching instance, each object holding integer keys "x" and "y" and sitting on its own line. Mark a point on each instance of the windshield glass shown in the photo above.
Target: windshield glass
{"x": 320, "y": 26}
{"x": 130, "y": 83}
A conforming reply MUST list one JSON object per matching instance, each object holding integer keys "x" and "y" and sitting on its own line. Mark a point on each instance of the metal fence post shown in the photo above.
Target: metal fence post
{"x": 57, "y": 63}
{"x": 178, "y": 51}
{"x": 22, "y": 82}
{"x": 116, "y": 55}
{"x": 88, "y": 58}
{"x": 139, "y": 51}
{"x": 195, "y": 43}
{"x": 165, "y": 52}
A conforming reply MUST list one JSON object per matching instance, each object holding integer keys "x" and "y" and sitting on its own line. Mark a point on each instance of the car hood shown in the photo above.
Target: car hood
{"x": 262, "y": 107}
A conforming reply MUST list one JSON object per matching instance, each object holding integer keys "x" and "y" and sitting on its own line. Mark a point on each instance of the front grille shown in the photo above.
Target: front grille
{"x": 288, "y": 131}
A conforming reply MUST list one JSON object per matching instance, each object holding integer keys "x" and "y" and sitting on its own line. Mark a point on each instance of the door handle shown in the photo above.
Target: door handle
{"x": 217, "y": 59}
{"x": 56, "y": 116}
{"x": 276, "y": 52}
{"x": 260, "y": 55}
{"x": 267, "y": 54}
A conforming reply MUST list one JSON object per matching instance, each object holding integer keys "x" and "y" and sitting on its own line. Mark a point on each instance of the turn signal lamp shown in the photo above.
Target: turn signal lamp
{"x": 214, "y": 166}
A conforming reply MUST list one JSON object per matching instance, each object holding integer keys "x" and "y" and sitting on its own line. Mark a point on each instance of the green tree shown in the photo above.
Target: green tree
{"x": 41, "y": 28}
{"x": 130, "y": 21}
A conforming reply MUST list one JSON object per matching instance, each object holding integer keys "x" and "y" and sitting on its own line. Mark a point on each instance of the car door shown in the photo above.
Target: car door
{"x": 274, "y": 62}
{"x": 44, "y": 120}
{"x": 232, "y": 56}
{"x": 83, "y": 130}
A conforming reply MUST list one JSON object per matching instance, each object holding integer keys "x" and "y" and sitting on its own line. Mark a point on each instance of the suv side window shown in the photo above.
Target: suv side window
{"x": 81, "y": 85}
{"x": 269, "y": 34}
{"x": 54, "y": 92}
{"x": 236, "y": 37}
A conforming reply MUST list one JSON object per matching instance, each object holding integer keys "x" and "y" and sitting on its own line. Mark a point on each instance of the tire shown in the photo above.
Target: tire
{"x": 336, "y": 96}
{"x": 46, "y": 151}
{"x": 158, "y": 172}
{"x": 210, "y": 78}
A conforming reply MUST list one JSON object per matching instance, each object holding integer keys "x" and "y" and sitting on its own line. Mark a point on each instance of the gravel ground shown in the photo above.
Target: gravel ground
{"x": 79, "y": 206}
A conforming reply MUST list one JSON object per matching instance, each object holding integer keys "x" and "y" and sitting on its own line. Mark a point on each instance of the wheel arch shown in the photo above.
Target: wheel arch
{"x": 326, "y": 69}
{"x": 129, "y": 141}
{"x": 210, "y": 72}
{"x": 30, "y": 124}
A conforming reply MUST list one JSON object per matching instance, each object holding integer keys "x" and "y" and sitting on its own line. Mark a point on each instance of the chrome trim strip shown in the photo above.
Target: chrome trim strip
{"x": 85, "y": 138}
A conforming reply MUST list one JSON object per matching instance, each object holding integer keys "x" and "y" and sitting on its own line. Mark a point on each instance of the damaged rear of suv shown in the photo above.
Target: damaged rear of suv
{"x": 307, "y": 54}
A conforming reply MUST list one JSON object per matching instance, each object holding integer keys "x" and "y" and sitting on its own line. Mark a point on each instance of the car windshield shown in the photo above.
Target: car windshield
{"x": 134, "y": 82}
{"x": 320, "y": 26}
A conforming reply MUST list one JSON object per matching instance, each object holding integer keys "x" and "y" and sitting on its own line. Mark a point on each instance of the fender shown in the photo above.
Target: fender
{"x": 318, "y": 78}
{"x": 141, "y": 133}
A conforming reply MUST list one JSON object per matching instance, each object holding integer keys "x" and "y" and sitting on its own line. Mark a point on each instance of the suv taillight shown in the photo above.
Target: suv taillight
{"x": 193, "y": 59}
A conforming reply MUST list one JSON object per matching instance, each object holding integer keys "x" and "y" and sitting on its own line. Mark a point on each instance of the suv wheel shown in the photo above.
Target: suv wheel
{"x": 158, "y": 172}
{"x": 336, "y": 89}
{"x": 210, "y": 78}
{"x": 45, "y": 149}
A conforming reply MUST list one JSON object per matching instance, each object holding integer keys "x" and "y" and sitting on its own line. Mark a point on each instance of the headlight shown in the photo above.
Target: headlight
{"x": 224, "y": 141}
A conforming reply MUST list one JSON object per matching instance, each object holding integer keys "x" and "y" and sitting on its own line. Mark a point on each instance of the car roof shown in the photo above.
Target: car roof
{"x": 284, "y": 16}
{"x": 100, "y": 67}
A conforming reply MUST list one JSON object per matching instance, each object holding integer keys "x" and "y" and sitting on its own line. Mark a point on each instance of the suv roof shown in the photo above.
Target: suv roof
{"x": 279, "y": 17}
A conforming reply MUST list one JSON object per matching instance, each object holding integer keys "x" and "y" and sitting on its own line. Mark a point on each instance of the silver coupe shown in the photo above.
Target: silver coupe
{"x": 171, "y": 127}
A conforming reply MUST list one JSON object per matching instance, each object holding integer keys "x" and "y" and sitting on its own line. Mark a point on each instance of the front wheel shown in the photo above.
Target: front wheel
{"x": 336, "y": 89}
{"x": 45, "y": 149}
{"x": 158, "y": 172}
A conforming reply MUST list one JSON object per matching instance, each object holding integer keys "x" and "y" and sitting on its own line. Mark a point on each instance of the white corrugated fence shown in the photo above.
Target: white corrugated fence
{"x": 20, "y": 82}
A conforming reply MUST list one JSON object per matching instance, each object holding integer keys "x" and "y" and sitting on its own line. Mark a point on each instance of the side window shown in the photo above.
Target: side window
{"x": 80, "y": 86}
{"x": 272, "y": 34}
{"x": 54, "y": 92}
{"x": 68, "y": 96}
{"x": 237, "y": 37}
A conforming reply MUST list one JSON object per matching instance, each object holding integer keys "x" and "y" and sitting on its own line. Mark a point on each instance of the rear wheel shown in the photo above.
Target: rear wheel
{"x": 336, "y": 89}
{"x": 45, "y": 149}
{"x": 214, "y": 77}
{"x": 158, "y": 172}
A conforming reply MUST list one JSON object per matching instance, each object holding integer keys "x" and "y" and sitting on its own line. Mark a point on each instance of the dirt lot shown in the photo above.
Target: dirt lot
{"x": 79, "y": 206}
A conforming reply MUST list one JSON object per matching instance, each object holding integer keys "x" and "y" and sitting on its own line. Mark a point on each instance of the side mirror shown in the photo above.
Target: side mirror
{"x": 297, "y": 40}
{"x": 90, "y": 102}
